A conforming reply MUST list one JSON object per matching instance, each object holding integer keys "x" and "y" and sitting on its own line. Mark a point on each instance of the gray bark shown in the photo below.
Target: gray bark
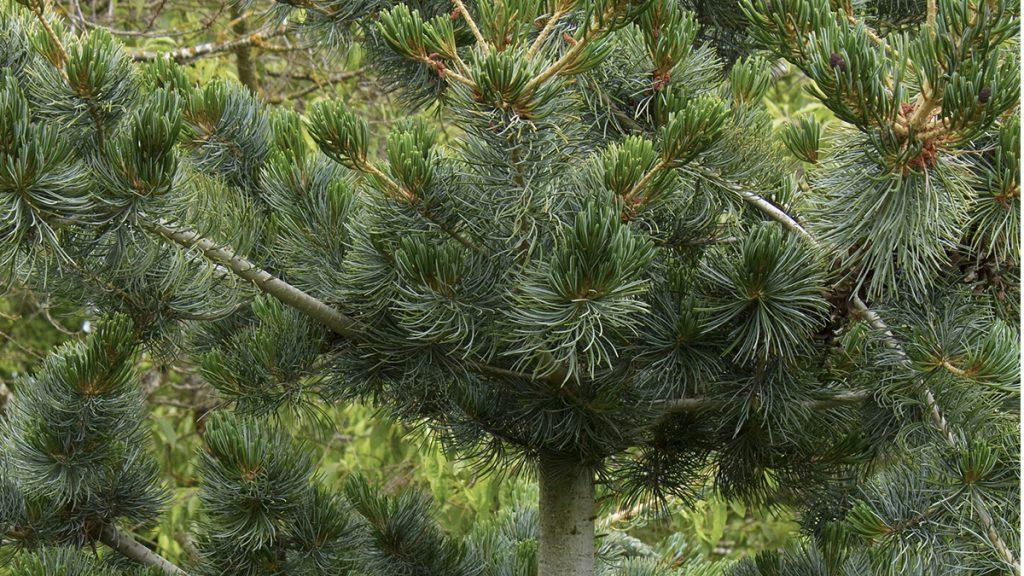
{"x": 132, "y": 549}
{"x": 566, "y": 519}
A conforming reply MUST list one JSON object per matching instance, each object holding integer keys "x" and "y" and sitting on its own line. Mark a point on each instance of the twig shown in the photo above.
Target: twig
{"x": 20, "y": 346}
{"x": 447, "y": 72}
{"x": 81, "y": 19}
{"x": 932, "y": 14}
{"x": 53, "y": 322}
{"x": 469, "y": 22}
{"x": 548, "y": 28}
{"x": 592, "y": 30}
{"x": 39, "y": 8}
{"x": 642, "y": 183}
{"x": 403, "y": 195}
{"x": 852, "y": 19}
{"x": 762, "y": 204}
{"x": 316, "y": 86}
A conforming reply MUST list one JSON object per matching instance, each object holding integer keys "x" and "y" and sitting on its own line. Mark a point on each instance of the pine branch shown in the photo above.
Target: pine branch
{"x": 292, "y": 296}
{"x": 852, "y": 19}
{"x": 38, "y": 8}
{"x": 403, "y": 195}
{"x": 642, "y": 183}
{"x": 128, "y": 546}
{"x": 931, "y": 404}
{"x": 826, "y": 403}
{"x": 209, "y": 48}
{"x": 770, "y": 209}
{"x": 943, "y": 426}
{"x": 932, "y": 13}
{"x": 593, "y": 30}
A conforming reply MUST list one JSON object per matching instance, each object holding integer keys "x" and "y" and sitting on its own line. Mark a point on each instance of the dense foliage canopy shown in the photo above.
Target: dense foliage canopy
{"x": 587, "y": 254}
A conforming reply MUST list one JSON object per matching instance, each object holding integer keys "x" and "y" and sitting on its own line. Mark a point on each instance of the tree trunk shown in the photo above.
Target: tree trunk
{"x": 566, "y": 519}
{"x": 243, "y": 52}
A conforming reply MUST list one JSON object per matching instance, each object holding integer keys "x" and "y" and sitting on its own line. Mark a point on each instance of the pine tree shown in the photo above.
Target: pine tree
{"x": 608, "y": 268}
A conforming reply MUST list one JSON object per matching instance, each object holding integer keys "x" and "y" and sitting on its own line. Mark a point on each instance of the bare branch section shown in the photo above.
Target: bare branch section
{"x": 208, "y": 49}
{"x": 834, "y": 401}
{"x": 546, "y": 31}
{"x": 39, "y": 9}
{"x": 264, "y": 280}
{"x": 471, "y": 23}
{"x": 131, "y": 548}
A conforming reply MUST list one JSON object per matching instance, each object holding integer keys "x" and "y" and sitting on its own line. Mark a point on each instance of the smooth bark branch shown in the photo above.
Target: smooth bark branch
{"x": 846, "y": 398}
{"x": 566, "y": 546}
{"x": 131, "y": 548}
{"x": 193, "y": 52}
{"x": 265, "y": 281}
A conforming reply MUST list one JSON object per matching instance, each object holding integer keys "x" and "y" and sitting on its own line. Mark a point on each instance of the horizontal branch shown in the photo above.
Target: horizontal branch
{"x": 209, "y": 48}
{"x": 824, "y": 403}
{"x": 759, "y": 202}
{"x": 131, "y": 548}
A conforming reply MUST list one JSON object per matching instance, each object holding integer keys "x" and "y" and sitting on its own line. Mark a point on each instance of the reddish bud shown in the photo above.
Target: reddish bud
{"x": 837, "y": 61}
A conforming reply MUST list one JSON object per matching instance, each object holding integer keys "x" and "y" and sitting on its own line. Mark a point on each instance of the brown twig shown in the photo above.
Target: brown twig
{"x": 317, "y": 85}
